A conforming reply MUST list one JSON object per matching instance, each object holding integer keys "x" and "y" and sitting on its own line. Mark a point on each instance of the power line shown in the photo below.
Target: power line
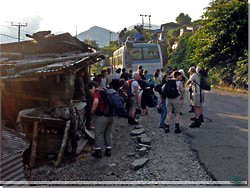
{"x": 8, "y": 36}
{"x": 19, "y": 25}
{"x": 31, "y": 32}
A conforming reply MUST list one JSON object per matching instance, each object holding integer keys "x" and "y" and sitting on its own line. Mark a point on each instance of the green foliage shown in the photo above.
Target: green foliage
{"x": 224, "y": 32}
{"x": 183, "y": 19}
{"x": 181, "y": 54}
{"x": 221, "y": 42}
{"x": 97, "y": 68}
{"x": 108, "y": 50}
{"x": 92, "y": 43}
{"x": 240, "y": 78}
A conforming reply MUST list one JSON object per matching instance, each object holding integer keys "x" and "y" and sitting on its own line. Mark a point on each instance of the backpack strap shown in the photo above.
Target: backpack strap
{"x": 200, "y": 90}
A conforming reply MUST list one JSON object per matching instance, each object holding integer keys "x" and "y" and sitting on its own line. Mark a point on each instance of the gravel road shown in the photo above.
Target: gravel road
{"x": 169, "y": 159}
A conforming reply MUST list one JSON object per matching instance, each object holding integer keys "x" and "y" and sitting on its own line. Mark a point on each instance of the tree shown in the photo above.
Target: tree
{"x": 182, "y": 53}
{"x": 222, "y": 40}
{"x": 183, "y": 19}
{"x": 92, "y": 43}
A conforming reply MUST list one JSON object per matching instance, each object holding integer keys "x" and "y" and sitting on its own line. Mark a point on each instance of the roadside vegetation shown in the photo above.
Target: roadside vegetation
{"x": 218, "y": 42}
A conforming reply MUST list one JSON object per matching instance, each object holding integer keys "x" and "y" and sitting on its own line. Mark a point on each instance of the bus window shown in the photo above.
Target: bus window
{"x": 137, "y": 54}
{"x": 151, "y": 53}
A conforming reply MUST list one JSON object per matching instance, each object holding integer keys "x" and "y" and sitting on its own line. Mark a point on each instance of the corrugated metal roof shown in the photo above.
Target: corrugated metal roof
{"x": 12, "y": 143}
{"x": 53, "y": 66}
{"x": 32, "y": 58}
{"x": 12, "y": 147}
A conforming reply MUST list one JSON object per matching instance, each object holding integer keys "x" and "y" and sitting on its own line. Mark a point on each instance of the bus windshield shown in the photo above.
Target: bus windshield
{"x": 145, "y": 53}
{"x": 150, "y": 53}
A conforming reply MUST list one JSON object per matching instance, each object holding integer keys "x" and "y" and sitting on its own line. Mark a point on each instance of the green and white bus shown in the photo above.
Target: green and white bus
{"x": 133, "y": 54}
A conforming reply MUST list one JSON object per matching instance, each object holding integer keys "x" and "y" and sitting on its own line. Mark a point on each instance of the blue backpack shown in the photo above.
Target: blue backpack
{"x": 114, "y": 101}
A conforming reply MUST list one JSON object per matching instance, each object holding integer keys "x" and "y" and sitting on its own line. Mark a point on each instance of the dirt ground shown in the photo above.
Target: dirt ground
{"x": 169, "y": 159}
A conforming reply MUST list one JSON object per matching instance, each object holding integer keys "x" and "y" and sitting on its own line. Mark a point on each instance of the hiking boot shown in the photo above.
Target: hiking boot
{"x": 195, "y": 124}
{"x": 192, "y": 109}
{"x": 134, "y": 122}
{"x": 97, "y": 153}
{"x": 108, "y": 152}
{"x": 162, "y": 126}
{"x": 193, "y": 118}
{"x": 201, "y": 118}
{"x": 131, "y": 121}
{"x": 166, "y": 129}
{"x": 177, "y": 128}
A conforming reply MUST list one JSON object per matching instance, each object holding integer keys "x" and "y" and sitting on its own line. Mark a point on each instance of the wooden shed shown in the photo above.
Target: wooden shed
{"x": 39, "y": 74}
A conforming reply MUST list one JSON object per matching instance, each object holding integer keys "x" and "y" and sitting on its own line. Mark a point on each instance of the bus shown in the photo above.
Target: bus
{"x": 133, "y": 54}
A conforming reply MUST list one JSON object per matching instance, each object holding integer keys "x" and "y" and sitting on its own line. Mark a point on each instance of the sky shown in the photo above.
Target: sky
{"x": 79, "y": 15}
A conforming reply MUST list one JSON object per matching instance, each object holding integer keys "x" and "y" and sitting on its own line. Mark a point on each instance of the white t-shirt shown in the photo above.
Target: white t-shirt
{"x": 103, "y": 82}
{"x": 109, "y": 78}
{"x": 134, "y": 84}
{"x": 117, "y": 76}
{"x": 195, "y": 87}
{"x": 178, "y": 85}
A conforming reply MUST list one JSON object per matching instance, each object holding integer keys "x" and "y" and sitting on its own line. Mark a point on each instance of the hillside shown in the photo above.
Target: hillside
{"x": 101, "y": 35}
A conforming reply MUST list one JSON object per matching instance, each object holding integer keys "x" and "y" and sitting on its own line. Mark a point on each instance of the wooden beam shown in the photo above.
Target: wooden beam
{"x": 63, "y": 146}
{"x": 34, "y": 145}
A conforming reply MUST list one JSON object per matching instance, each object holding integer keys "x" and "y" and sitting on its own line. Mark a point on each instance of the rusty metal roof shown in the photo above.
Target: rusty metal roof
{"x": 12, "y": 143}
{"x": 47, "y": 54}
{"x": 48, "y": 66}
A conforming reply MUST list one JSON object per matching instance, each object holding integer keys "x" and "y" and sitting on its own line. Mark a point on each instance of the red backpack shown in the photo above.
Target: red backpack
{"x": 127, "y": 88}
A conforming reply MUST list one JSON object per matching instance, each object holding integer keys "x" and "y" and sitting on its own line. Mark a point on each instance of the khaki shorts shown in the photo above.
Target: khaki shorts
{"x": 197, "y": 101}
{"x": 175, "y": 104}
{"x": 133, "y": 102}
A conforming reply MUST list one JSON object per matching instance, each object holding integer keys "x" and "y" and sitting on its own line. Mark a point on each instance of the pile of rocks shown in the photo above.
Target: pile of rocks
{"x": 142, "y": 148}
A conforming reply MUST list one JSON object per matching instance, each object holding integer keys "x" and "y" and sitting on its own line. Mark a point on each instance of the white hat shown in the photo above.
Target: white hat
{"x": 191, "y": 69}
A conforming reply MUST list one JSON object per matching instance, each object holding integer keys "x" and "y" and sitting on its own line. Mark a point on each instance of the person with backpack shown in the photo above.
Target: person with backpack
{"x": 197, "y": 97}
{"x": 174, "y": 92}
{"x": 163, "y": 102}
{"x": 103, "y": 115}
{"x": 147, "y": 97}
{"x": 134, "y": 98}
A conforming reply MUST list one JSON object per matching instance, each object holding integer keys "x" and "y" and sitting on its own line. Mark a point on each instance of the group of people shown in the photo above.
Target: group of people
{"x": 174, "y": 104}
{"x": 138, "y": 36}
{"x": 136, "y": 92}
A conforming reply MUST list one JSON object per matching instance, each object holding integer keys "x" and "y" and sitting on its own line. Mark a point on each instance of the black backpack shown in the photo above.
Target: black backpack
{"x": 204, "y": 81}
{"x": 170, "y": 90}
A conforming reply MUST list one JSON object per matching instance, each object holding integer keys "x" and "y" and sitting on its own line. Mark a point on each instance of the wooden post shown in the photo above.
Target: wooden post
{"x": 63, "y": 146}
{"x": 34, "y": 144}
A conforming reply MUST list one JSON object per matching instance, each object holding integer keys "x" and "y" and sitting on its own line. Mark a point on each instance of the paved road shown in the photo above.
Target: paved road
{"x": 222, "y": 142}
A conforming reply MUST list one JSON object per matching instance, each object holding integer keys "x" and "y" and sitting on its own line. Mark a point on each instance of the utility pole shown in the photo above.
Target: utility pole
{"x": 19, "y": 25}
{"x": 149, "y": 22}
{"x": 149, "y": 25}
{"x": 142, "y": 20}
{"x": 110, "y": 37}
